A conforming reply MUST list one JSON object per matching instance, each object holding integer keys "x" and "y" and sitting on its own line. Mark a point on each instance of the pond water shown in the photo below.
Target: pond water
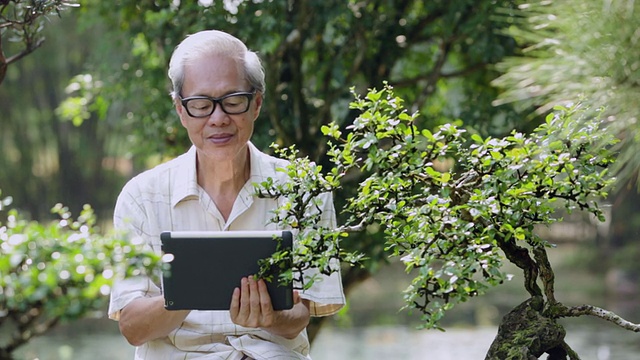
{"x": 593, "y": 341}
{"x": 455, "y": 344}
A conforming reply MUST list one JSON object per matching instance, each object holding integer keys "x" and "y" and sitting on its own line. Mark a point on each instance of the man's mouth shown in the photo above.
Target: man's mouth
{"x": 220, "y": 138}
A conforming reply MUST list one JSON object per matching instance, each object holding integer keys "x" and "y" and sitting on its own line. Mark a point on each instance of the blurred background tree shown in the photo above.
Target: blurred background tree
{"x": 53, "y": 155}
{"x": 438, "y": 56}
{"x": 590, "y": 50}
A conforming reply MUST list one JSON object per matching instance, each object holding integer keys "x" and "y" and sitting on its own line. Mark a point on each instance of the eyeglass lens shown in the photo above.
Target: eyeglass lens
{"x": 232, "y": 104}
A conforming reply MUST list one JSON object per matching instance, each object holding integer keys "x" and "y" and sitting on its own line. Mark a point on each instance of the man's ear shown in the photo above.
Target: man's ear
{"x": 258, "y": 101}
{"x": 179, "y": 109}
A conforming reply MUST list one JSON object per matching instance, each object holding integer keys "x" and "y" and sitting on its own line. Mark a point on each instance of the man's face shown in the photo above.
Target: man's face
{"x": 219, "y": 136}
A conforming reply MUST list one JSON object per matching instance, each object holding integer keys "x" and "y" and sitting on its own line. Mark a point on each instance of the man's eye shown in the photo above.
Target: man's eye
{"x": 234, "y": 101}
{"x": 200, "y": 105}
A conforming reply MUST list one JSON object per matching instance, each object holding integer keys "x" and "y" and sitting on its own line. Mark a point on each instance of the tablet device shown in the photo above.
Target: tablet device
{"x": 205, "y": 267}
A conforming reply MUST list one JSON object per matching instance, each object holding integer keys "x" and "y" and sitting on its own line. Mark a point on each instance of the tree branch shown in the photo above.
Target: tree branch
{"x": 3, "y": 63}
{"x": 520, "y": 257}
{"x": 546, "y": 273}
{"x": 595, "y": 311}
{"x": 466, "y": 71}
{"x": 414, "y": 35}
{"x": 355, "y": 228}
{"x": 462, "y": 72}
{"x": 570, "y": 352}
{"x": 25, "y": 52}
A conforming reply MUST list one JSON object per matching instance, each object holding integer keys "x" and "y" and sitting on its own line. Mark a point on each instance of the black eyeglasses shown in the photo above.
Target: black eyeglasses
{"x": 232, "y": 104}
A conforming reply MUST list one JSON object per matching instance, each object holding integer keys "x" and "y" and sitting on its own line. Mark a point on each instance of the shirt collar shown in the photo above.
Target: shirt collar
{"x": 185, "y": 180}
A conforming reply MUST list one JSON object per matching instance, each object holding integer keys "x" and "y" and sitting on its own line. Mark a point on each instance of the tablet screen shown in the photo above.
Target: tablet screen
{"x": 206, "y": 266}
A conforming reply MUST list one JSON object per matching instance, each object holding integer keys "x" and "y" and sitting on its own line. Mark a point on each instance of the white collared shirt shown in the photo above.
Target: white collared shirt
{"x": 168, "y": 197}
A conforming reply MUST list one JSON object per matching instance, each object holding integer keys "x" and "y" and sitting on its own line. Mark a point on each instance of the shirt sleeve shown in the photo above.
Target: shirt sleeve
{"x": 326, "y": 294}
{"x": 129, "y": 219}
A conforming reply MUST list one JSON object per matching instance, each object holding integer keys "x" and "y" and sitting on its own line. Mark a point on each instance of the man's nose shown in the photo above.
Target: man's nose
{"x": 218, "y": 117}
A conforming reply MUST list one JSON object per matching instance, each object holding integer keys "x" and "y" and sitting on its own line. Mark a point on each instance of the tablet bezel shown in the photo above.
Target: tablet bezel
{"x": 208, "y": 265}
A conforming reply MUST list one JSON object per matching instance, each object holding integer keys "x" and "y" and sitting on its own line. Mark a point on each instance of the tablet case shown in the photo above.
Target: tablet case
{"x": 207, "y": 266}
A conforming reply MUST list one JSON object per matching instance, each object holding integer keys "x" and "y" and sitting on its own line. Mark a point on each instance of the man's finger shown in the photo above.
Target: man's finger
{"x": 265, "y": 299}
{"x": 266, "y": 308}
{"x": 234, "y": 308}
{"x": 254, "y": 293}
{"x": 244, "y": 312}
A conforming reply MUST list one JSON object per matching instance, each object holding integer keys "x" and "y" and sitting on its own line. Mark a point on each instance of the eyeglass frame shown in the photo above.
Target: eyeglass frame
{"x": 216, "y": 101}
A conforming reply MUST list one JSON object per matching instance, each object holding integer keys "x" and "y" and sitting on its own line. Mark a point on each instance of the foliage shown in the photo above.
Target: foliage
{"x": 453, "y": 206}
{"x": 46, "y": 156}
{"x": 317, "y": 245}
{"x": 21, "y": 21}
{"x": 62, "y": 270}
{"x": 87, "y": 101}
{"x": 438, "y": 54}
{"x": 579, "y": 48}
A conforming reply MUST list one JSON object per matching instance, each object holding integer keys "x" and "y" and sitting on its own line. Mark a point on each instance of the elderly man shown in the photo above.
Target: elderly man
{"x": 218, "y": 87}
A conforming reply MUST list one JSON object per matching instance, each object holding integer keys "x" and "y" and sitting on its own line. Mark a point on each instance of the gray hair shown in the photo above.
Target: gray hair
{"x": 210, "y": 42}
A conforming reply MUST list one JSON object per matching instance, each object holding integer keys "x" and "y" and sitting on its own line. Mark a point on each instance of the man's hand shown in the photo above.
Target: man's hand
{"x": 251, "y": 307}
{"x": 146, "y": 319}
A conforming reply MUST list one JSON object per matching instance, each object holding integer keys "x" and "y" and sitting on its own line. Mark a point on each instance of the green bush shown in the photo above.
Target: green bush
{"x": 58, "y": 270}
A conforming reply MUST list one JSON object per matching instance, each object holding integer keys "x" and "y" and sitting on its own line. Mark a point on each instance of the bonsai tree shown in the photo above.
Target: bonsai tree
{"x": 57, "y": 271}
{"x": 454, "y": 207}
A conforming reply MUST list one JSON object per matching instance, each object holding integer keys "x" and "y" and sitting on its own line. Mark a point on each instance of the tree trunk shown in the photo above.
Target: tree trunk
{"x": 525, "y": 334}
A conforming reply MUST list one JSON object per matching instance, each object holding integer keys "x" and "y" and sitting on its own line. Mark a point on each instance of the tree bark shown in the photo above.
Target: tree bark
{"x": 525, "y": 334}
